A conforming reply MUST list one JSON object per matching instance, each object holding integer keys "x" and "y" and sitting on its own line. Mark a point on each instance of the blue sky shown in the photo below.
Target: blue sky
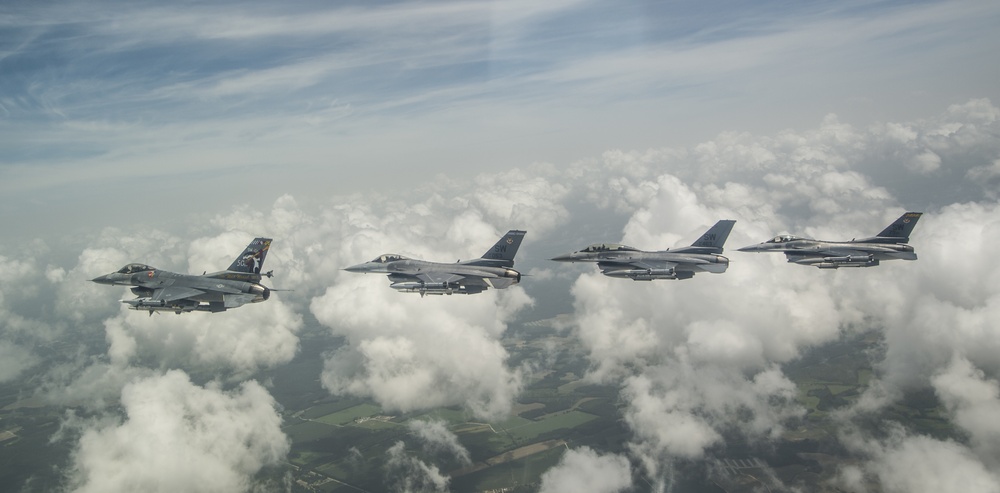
{"x": 101, "y": 98}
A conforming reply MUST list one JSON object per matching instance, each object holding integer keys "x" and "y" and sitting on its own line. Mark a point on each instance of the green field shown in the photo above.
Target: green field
{"x": 350, "y": 414}
{"x": 309, "y": 430}
{"x": 532, "y": 430}
{"x": 330, "y": 442}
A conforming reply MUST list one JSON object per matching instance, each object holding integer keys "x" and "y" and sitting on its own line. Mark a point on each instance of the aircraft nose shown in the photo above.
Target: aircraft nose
{"x": 102, "y": 279}
{"x": 563, "y": 258}
{"x": 357, "y": 268}
{"x": 749, "y": 248}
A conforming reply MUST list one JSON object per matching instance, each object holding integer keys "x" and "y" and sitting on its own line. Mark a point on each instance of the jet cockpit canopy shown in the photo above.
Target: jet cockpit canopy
{"x": 388, "y": 257}
{"x": 609, "y": 247}
{"x": 783, "y": 239}
{"x": 133, "y": 268}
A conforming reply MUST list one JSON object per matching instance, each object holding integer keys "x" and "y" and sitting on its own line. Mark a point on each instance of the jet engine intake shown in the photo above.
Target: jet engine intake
{"x": 142, "y": 292}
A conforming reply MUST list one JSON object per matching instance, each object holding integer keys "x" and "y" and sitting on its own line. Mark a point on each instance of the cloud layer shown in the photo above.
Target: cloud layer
{"x": 178, "y": 436}
{"x": 696, "y": 361}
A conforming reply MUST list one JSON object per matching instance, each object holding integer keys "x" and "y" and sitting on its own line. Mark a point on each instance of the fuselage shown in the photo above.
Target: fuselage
{"x": 184, "y": 292}
{"x": 835, "y": 254}
{"x": 639, "y": 265}
{"x": 425, "y": 277}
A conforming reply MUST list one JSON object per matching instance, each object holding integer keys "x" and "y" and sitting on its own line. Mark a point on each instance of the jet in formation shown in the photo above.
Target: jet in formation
{"x": 494, "y": 269}
{"x": 890, "y": 244}
{"x": 614, "y": 260}
{"x": 160, "y": 290}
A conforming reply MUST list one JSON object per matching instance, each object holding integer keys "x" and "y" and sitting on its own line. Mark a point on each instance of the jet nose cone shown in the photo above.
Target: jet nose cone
{"x": 357, "y": 268}
{"x": 749, "y": 248}
{"x": 563, "y": 258}
{"x": 102, "y": 280}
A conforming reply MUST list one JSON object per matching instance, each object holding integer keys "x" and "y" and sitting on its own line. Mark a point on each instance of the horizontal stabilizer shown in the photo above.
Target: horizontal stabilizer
{"x": 500, "y": 282}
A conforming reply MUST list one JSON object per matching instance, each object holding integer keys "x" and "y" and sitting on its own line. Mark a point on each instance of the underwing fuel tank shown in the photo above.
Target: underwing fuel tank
{"x": 438, "y": 288}
{"x": 422, "y": 288}
{"x": 159, "y": 305}
{"x": 642, "y": 274}
{"x": 837, "y": 265}
{"x": 837, "y": 262}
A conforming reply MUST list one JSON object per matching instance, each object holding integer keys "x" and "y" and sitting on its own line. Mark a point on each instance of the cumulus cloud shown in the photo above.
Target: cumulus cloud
{"x": 695, "y": 359}
{"x": 974, "y": 402}
{"x": 584, "y": 470}
{"x": 247, "y": 339}
{"x": 914, "y": 463}
{"x": 408, "y": 474}
{"x": 13, "y": 360}
{"x": 178, "y": 436}
{"x": 408, "y": 352}
{"x": 436, "y": 437}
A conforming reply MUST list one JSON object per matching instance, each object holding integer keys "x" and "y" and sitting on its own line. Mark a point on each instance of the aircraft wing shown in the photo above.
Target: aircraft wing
{"x": 174, "y": 293}
{"x": 439, "y": 277}
{"x": 465, "y": 277}
{"x": 863, "y": 251}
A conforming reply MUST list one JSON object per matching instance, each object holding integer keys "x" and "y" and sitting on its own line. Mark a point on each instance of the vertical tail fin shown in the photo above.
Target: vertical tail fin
{"x": 252, "y": 258}
{"x": 502, "y": 253}
{"x": 716, "y": 236}
{"x": 900, "y": 229}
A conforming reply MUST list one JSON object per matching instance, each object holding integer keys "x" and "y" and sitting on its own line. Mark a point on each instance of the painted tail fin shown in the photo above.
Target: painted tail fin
{"x": 252, "y": 258}
{"x": 502, "y": 253}
{"x": 899, "y": 231}
{"x": 713, "y": 239}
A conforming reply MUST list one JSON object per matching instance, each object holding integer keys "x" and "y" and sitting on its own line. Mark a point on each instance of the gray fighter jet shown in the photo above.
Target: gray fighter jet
{"x": 616, "y": 260}
{"x": 493, "y": 269}
{"x": 867, "y": 252}
{"x": 160, "y": 290}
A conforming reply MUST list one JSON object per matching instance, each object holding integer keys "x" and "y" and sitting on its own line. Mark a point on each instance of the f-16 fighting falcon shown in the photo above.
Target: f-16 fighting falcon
{"x": 867, "y": 252}
{"x": 160, "y": 290}
{"x": 616, "y": 260}
{"x": 493, "y": 269}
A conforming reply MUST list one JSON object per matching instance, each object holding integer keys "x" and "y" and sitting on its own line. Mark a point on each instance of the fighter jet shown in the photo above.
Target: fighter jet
{"x": 867, "y": 252}
{"x": 160, "y": 290}
{"x": 493, "y": 269}
{"x": 622, "y": 261}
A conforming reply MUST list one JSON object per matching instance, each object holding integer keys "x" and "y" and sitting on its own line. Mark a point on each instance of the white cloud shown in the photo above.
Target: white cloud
{"x": 974, "y": 402}
{"x": 916, "y": 464}
{"x": 692, "y": 355}
{"x": 244, "y": 340}
{"x": 177, "y": 436}
{"x": 408, "y": 474}
{"x": 408, "y": 352}
{"x": 14, "y": 359}
{"x": 584, "y": 470}
{"x": 693, "y": 358}
{"x": 437, "y": 438}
